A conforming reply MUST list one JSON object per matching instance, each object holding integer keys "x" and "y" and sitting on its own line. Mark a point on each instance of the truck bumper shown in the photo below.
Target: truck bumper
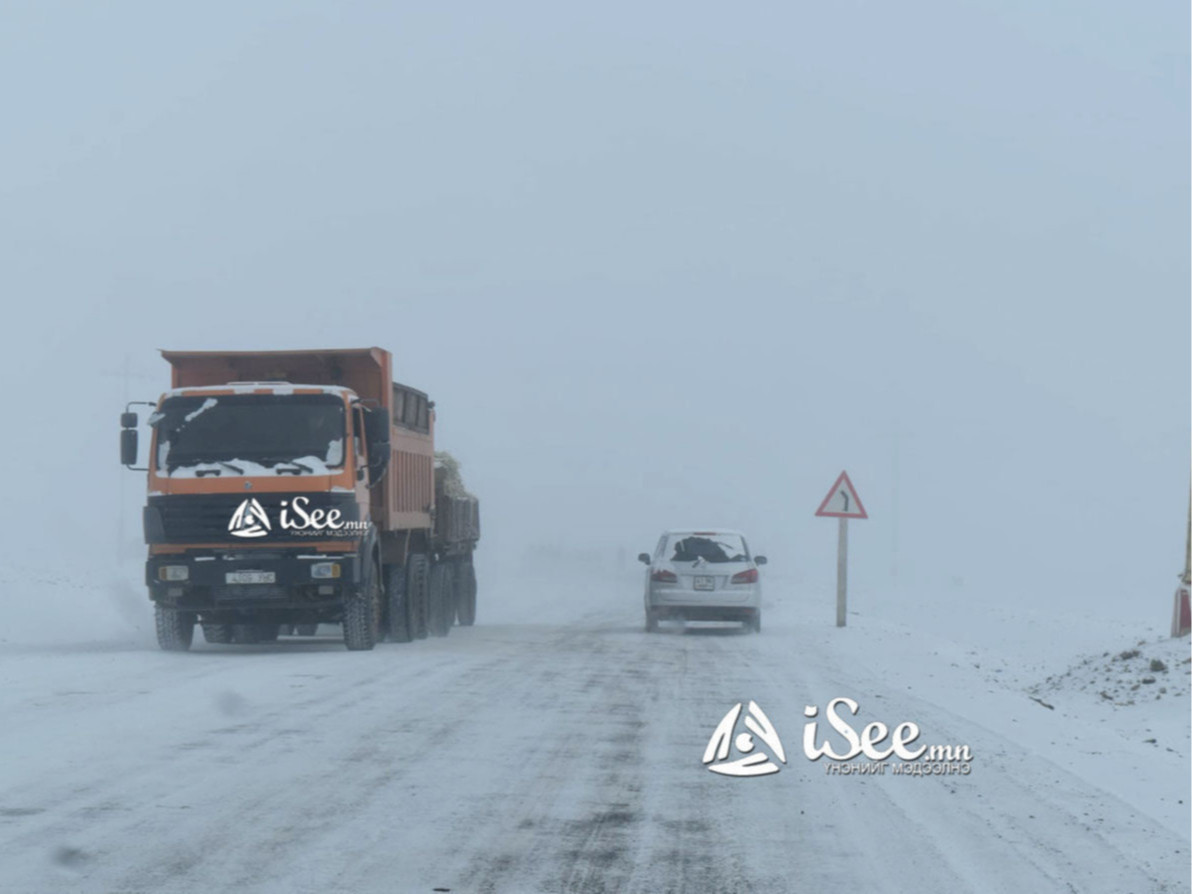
{"x": 207, "y": 580}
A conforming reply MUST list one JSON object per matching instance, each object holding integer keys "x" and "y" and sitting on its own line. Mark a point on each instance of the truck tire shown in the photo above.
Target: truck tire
{"x": 217, "y": 634}
{"x": 417, "y": 595}
{"x": 399, "y": 608}
{"x": 465, "y": 592}
{"x": 175, "y": 629}
{"x": 442, "y": 599}
{"x": 362, "y": 612}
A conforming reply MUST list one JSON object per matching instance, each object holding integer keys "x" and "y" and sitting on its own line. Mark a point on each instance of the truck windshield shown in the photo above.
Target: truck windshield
{"x": 246, "y": 434}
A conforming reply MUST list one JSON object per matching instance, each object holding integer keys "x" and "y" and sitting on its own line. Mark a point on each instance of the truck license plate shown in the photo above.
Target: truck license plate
{"x": 705, "y": 582}
{"x": 250, "y": 577}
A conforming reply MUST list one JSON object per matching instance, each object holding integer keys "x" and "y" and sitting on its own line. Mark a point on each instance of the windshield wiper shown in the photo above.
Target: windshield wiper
{"x": 201, "y": 472}
{"x": 296, "y": 464}
{"x": 278, "y": 462}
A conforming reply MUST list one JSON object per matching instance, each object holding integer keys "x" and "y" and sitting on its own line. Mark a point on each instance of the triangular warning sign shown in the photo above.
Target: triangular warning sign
{"x": 842, "y": 501}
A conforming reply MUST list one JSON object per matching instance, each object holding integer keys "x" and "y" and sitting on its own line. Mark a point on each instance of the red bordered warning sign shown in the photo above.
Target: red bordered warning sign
{"x": 842, "y": 501}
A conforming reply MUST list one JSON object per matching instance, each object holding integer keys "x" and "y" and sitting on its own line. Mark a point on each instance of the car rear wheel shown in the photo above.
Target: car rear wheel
{"x": 755, "y": 623}
{"x": 651, "y": 621}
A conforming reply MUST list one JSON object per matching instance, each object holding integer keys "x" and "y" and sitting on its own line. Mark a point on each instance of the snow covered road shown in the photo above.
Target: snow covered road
{"x": 544, "y": 757}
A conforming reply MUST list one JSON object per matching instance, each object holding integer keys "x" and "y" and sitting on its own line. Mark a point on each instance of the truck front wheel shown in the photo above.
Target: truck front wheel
{"x": 175, "y": 629}
{"x": 362, "y": 612}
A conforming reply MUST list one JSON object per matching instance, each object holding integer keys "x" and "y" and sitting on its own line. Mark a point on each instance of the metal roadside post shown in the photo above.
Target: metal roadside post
{"x": 842, "y": 503}
{"x": 1181, "y": 614}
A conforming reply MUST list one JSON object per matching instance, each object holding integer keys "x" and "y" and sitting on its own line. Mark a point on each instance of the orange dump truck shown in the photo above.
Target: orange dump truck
{"x": 293, "y": 488}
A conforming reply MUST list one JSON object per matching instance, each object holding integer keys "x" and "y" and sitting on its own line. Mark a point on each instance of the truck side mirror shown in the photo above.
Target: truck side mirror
{"x": 376, "y": 431}
{"x": 128, "y": 420}
{"x": 128, "y": 444}
{"x": 376, "y": 426}
{"x": 644, "y": 558}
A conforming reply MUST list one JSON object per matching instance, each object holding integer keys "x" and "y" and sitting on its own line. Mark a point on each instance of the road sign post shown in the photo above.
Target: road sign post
{"x": 842, "y": 503}
{"x": 842, "y": 573}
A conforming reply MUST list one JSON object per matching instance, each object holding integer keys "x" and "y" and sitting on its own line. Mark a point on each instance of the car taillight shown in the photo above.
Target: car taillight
{"x": 745, "y": 577}
{"x": 666, "y": 577}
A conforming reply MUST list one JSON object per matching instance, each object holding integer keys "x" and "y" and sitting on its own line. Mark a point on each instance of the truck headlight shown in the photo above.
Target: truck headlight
{"x": 173, "y": 572}
{"x": 324, "y": 570}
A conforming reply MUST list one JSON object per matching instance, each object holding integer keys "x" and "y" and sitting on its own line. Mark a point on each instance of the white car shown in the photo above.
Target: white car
{"x": 705, "y": 575}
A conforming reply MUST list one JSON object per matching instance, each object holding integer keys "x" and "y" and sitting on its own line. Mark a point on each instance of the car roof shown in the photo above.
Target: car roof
{"x": 670, "y": 531}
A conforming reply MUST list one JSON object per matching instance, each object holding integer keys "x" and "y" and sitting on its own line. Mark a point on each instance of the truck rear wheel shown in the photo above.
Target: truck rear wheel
{"x": 399, "y": 607}
{"x": 362, "y": 612}
{"x": 217, "y": 634}
{"x": 175, "y": 629}
{"x": 465, "y": 592}
{"x": 417, "y": 586}
{"x": 442, "y": 599}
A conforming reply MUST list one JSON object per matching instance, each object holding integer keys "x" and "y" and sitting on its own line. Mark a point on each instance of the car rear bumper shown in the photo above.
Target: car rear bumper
{"x": 741, "y": 596}
{"x": 705, "y": 612}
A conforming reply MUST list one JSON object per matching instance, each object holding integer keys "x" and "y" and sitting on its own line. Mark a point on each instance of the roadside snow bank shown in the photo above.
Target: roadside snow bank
{"x": 1026, "y": 675}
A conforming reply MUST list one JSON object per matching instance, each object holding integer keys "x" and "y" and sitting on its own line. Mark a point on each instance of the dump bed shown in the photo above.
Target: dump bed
{"x": 365, "y": 370}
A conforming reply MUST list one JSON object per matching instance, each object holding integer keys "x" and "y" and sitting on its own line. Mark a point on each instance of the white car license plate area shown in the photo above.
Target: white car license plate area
{"x": 250, "y": 577}
{"x": 704, "y": 582}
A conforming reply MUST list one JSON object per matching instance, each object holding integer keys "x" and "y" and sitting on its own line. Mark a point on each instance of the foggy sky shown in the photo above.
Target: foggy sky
{"x": 657, "y": 266}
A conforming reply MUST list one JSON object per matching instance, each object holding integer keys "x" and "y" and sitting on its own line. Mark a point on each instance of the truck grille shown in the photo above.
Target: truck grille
{"x": 205, "y": 518}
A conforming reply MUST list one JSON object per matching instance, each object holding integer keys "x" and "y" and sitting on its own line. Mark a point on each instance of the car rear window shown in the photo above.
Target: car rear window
{"x": 709, "y": 547}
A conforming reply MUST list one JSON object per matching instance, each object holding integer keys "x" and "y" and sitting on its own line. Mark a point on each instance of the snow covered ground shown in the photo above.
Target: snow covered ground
{"x": 557, "y": 747}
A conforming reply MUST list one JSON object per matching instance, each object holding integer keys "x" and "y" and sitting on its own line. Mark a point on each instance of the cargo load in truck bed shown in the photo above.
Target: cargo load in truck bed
{"x": 457, "y": 512}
